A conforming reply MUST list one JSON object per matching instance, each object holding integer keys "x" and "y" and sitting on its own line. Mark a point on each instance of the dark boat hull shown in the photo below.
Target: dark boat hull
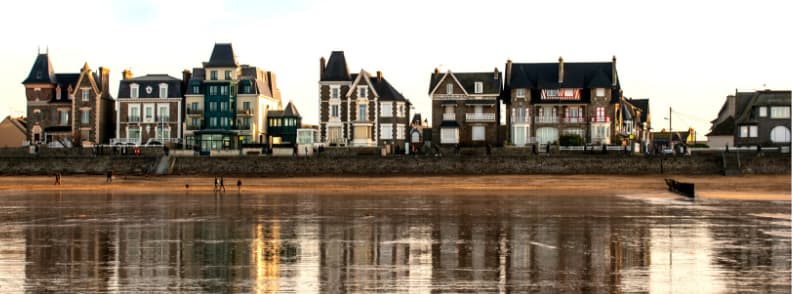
{"x": 684, "y": 189}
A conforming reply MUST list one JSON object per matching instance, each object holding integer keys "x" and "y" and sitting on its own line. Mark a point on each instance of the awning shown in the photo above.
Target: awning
{"x": 58, "y": 129}
{"x": 449, "y": 124}
{"x": 448, "y": 102}
{"x": 480, "y": 102}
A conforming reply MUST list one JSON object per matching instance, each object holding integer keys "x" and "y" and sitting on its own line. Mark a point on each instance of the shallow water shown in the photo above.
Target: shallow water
{"x": 122, "y": 242}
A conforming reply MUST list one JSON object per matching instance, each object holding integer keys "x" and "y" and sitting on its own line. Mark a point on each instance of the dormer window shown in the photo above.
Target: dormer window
{"x": 449, "y": 88}
{"x": 85, "y": 95}
{"x": 163, "y": 90}
{"x": 196, "y": 89}
{"x": 134, "y": 91}
{"x": 520, "y": 93}
{"x": 362, "y": 92}
{"x": 600, "y": 92}
{"x": 479, "y": 87}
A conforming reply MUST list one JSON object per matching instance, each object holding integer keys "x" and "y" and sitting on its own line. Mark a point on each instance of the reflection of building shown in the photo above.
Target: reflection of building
{"x": 149, "y": 109}
{"x": 227, "y": 103}
{"x": 753, "y": 118}
{"x": 68, "y": 108}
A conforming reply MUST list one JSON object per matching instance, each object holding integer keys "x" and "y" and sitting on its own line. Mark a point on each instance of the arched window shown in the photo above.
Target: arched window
{"x": 779, "y": 134}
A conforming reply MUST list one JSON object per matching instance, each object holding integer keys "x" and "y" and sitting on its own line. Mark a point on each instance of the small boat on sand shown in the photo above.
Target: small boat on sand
{"x": 684, "y": 189}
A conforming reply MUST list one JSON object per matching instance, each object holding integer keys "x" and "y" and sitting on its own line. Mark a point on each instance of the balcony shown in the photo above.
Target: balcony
{"x": 134, "y": 119}
{"x": 600, "y": 119}
{"x": 546, "y": 119}
{"x": 194, "y": 111}
{"x": 480, "y": 117}
{"x": 521, "y": 119}
{"x": 245, "y": 112}
{"x": 193, "y": 127}
{"x": 449, "y": 116}
{"x": 574, "y": 120}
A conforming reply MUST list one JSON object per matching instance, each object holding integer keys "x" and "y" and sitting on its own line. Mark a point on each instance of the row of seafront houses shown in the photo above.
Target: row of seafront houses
{"x": 223, "y": 105}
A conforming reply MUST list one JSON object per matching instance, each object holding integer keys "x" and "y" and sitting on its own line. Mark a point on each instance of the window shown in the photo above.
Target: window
{"x": 335, "y": 92}
{"x": 213, "y": 75}
{"x": 779, "y": 134}
{"x": 449, "y": 88}
{"x": 223, "y": 106}
{"x": 449, "y": 135}
{"x": 85, "y": 95}
{"x": 334, "y": 111}
{"x": 552, "y": 93}
{"x": 162, "y": 132}
{"x": 213, "y": 122}
{"x": 334, "y": 135}
{"x": 85, "y": 116}
{"x": 224, "y": 122}
{"x": 520, "y": 93}
{"x": 212, "y": 90}
{"x": 400, "y": 110}
{"x": 196, "y": 122}
{"x": 246, "y": 88}
{"x": 362, "y": 112}
{"x": 600, "y": 114}
{"x": 386, "y": 109}
{"x": 546, "y": 135}
{"x": 64, "y": 117}
{"x": 134, "y": 113}
{"x": 163, "y": 113}
{"x": 386, "y": 131}
{"x": 362, "y": 92}
{"x": 194, "y": 107}
{"x": 749, "y": 131}
{"x": 134, "y": 91}
{"x": 212, "y": 106}
{"x": 600, "y": 92}
{"x": 223, "y": 90}
{"x": 400, "y": 132}
{"x": 479, "y": 87}
{"x": 779, "y": 112}
{"x": 133, "y": 134}
{"x": 163, "y": 91}
{"x": 246, "y": 105}
{"x": 246, "y": 122}
{"x": 762, "y": 111}
{"x": 228, "y": 75}
{"x": 148, "y": 113}
{"x": 196, "y": 89}
{"x": 478, "y": 133}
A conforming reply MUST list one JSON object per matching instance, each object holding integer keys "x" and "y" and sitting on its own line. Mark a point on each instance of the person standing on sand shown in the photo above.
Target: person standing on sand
{"x": 215, "y": 184}
{"x": 239, "y": 185}
{"x": 222, "y": 185}
{"x": 109, "y": 177}
{"x": 57, "y": 179}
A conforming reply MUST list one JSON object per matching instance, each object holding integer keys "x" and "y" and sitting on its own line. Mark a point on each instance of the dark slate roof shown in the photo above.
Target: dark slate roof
{"x": 492, "y": 84}
{"x": 290, "y": 110}
{"x": 64, "y": 81}
{"x": 724, "y": 128}
{"x": 747, "y": 101}
{"x": 336, "y": 68}
{"x": 626, "y": 111}
{"x": 41, "y": 72}
{"x": 386, "y": 91}
{"x": 642, "y": 104}
{"x": 417, "y": 118}
{"x": 577, "y": 75}
{"x": 153, "y": 81}
{"x": 222, "y": 56}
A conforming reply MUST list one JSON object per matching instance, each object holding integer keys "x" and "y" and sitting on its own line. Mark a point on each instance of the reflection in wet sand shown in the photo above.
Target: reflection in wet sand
{"x": 401, "y": 243}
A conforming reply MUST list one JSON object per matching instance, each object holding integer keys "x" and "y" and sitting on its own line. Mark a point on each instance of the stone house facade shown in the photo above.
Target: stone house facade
{"x": 150, "y": 109}
{"x": 753, "y": 118}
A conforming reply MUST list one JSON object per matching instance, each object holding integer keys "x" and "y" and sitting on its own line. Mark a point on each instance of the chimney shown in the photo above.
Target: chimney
{"x": 437, "y": 71}
{"x": 560, "y": 70}
{"x": 508, "y": 72}
{"x": 613, "y": 70}
{"x": 186, "y": 75}
{"x": 321, "y": 66}
{"x": 495, "y": 74}
{"x": 379, "y": 76}
{"x": 127, "y": 74}
{"x": 104, "y": 75}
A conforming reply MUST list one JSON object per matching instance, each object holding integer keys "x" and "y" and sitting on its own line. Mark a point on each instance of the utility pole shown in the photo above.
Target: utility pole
{"x": 669, "y": 119}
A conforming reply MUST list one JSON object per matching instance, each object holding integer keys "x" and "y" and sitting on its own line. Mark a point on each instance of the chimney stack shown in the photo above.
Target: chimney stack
{"x": 127, "y": 74}
{"x": 321, "y": 66}
{"x": 104, "y": 75}
{"x": 379, "y": 76}
{"x": 186, "y": 75}
{"x": 495, "y": 74}
{"x": 613, "y": 70}
{"x": 508, "y": 72}
{"x": 437, "y": 71}
{"x": 560, "y": 70}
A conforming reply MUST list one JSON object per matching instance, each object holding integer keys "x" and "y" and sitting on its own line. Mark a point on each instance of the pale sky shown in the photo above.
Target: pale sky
{"x": 685, "y": 54}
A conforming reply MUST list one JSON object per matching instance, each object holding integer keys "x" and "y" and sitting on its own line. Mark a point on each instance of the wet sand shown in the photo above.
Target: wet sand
{"x": 747, "y": 187}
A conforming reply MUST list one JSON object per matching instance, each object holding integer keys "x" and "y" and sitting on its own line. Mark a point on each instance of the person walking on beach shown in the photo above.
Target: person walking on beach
{"x": 109, "y": 177}
{"x": 215, "y": 184}
{"x": 239, "y": 185}
{"x": 222, "y": 185}
{"x": 57, "y": 179}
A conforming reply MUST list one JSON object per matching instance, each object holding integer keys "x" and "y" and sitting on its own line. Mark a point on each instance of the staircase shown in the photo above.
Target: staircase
{"x": 731, "y": 164}
{"x": 165, "y": 165}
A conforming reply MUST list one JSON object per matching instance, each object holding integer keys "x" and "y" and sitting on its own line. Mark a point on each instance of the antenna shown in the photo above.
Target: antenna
{"x": 47, "y": 49}
{"x": 38, "y": 50}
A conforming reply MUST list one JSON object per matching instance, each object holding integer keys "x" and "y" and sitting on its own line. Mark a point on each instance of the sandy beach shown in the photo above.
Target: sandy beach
{"x": 748, "y": 187}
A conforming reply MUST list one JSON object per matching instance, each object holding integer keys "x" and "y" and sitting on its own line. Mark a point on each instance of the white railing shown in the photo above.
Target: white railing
{"x": 524, "y": 119}
{"x": 479, "y": 116}
{"x": 574, "y": 120}
{"x": 133, "y": 141}
{"x": 547, "y": 119}
{"x": 449, "y": 116}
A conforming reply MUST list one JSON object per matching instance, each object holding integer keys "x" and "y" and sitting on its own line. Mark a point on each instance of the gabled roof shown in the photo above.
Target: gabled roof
{"x": 577, "y": 75}
{"x": 289, "y": 111}
{"x": 18, "y": 122}
{"x": 64, "y": 81}
{"x": 626, "y": 111}
{"x": 153, "y": 81}
{"x": 747, "y": 101}
{"x": 42, "y": 71}
{"x": 336, "y": 68}
{"x": 724, "y": 128}
{"x": 386, "y": 91}
{"x": 491, "y": 81}
{"x": 643, "y": 105}
{"x": 222, "y": 56}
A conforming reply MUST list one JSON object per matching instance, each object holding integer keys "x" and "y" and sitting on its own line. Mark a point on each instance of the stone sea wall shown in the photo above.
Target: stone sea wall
{"x": 373, "y": 165}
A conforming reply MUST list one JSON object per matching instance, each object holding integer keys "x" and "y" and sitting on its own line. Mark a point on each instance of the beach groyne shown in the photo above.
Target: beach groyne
{"x": 373, "y": 165}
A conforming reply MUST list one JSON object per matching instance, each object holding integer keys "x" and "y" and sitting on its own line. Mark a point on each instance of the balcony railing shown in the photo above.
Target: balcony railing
{"x": 193, "y": 127}
{"x": 523, "y": 119}
{"x": 134, "y": 119}
{"x": 487, "y": 117}
{"x": 574, "y": 120}
{"x": 245, "y": 112}
{"x": 600, "y": 119}
{"x": 194, "y": 111}
{"x": 449, "y": 116}
{"x": 546, "y": 119}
